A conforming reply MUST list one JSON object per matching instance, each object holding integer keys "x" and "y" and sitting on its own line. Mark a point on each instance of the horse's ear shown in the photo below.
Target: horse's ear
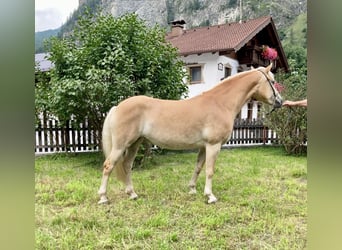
{"x": 269, "y": 67}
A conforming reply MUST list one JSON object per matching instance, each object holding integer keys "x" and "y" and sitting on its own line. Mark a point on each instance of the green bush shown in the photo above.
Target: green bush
{"x": 290, "y": 123}
{"x": 103, "y": 61}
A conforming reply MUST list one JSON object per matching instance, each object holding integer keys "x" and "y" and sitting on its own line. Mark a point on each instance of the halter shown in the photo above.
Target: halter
{"x": 271, "y": 82}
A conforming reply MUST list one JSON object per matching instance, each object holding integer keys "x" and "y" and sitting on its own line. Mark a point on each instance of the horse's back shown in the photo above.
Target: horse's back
{"x": 146, "y": 105}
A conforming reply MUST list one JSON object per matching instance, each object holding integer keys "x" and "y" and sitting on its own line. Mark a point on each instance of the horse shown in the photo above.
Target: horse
{"x": 203, "y": 122}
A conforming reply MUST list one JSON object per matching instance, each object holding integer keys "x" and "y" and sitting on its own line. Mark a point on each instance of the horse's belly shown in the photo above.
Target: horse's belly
{"x": 174, "y": 139}
{"x": 173, "y": 144}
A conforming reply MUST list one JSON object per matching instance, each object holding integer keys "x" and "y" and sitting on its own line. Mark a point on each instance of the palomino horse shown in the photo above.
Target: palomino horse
{"x": 204, "y": 122}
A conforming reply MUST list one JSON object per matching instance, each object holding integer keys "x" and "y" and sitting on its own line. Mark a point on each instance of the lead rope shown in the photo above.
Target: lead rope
{"x": 271, "y": 111}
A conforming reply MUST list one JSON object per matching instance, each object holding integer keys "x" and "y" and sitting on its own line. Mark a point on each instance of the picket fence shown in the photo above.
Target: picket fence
{"x": 51, "y": 137}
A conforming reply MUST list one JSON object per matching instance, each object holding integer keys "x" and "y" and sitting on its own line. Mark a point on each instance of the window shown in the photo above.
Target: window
{"x": 227, "y": 72}
{"x": 195, "y": 73}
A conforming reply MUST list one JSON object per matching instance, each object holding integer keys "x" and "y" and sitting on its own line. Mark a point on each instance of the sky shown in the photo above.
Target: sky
{"x": 51, "y": 14}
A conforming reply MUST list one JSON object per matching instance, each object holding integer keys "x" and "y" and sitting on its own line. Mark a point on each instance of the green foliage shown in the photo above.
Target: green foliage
{"x": 296, "y": 34}
{"x": 104, "y": 61}
{"x": 90, "y": 6}
{"x": 40, "y": 37}
{"x": 290, "y": 123}
{"x": 42, "y": 88}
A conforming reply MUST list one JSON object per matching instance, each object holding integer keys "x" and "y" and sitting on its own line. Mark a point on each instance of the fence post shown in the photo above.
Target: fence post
{"x": 50, "y": 134}
{"x": 39, "y": 134}
{"x": 67, "y": 137}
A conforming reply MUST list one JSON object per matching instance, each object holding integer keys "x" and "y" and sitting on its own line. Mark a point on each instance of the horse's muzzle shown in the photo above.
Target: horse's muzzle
{"x": 278, "y": 102}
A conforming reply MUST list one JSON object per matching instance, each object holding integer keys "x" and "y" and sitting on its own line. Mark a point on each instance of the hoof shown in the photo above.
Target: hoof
{"x": 192, "y": 191}
{"x": 212, "y": 200}
{"x": 133, "y": 196}
{"x": 102, "y": 201}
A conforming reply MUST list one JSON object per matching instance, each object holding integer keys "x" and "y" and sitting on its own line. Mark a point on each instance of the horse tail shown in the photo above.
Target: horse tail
{"x": 106, "y": 135}
{"x": 107, "y": 144}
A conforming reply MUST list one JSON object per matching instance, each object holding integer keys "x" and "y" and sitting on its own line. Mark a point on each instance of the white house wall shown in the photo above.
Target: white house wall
{"x": 212, "y": 76}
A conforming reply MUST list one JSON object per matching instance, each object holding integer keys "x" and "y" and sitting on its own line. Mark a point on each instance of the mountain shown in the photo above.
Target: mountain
{"x": 196, "y": 13}
{"x": 203, "y": 12}
{"x": 39, "y": 38}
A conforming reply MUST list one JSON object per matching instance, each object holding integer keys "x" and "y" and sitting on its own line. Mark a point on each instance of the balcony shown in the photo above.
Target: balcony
{"x": 251, "y": 55}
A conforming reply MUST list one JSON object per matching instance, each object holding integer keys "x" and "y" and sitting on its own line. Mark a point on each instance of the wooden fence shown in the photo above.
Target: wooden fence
{"x": 51, "y": 137}
{"x": 253, "y": 132}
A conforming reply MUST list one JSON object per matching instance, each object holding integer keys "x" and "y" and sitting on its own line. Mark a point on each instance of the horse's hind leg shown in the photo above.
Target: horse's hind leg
{"x": 108, "y": 166}
{"x": 129, "y": 157}
{"x": 197, "y": 171}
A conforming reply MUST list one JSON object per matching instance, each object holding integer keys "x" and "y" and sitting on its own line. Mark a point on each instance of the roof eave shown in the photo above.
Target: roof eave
{"x": 286, "y": 65}
{"x": 188, "y": 53}
{"x": 252, "y": 34}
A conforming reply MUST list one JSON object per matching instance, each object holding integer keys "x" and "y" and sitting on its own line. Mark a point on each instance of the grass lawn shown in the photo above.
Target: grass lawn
{"x": 261, "y": 191}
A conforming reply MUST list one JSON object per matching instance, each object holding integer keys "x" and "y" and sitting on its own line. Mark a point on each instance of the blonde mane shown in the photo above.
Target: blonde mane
{"x": 228, "y": 82}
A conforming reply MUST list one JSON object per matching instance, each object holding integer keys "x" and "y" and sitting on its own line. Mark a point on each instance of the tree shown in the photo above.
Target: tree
{"x": 105, "y": 60}
{"x": 290, "y": 124}
{"x": 41, "y": 89}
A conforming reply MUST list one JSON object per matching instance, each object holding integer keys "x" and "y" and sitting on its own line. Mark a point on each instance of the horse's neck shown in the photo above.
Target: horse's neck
{"x": 233, "y": 93}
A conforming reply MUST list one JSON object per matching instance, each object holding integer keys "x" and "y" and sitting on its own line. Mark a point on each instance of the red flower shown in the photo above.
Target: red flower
{"x": 269, "y": 53}
{"x": 279, "y": 87}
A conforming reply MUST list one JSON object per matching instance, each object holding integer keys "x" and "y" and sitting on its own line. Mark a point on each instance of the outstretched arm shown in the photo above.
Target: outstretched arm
{"x": 302, "y": 103}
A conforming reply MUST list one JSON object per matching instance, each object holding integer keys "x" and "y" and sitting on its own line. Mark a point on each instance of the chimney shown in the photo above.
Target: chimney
{"x": 177, "y": 27}
{"x": 240, "y": 11}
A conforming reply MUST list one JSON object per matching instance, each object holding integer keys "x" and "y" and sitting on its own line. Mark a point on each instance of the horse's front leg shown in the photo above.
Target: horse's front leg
{"x": 197, "y": 171}
{"x": 211, "y": 155}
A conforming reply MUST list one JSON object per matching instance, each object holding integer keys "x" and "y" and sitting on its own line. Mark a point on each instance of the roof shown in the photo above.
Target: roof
{"x": 230, "y": 36}
{"x": 223, "y": 37}
{"x": 42, "y": 62}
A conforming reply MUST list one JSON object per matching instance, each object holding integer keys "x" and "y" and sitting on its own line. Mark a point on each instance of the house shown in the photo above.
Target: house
{"x": 42, "y": 67}
{"x": 213, "y": 53}
{"x": 43, "y": 64}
